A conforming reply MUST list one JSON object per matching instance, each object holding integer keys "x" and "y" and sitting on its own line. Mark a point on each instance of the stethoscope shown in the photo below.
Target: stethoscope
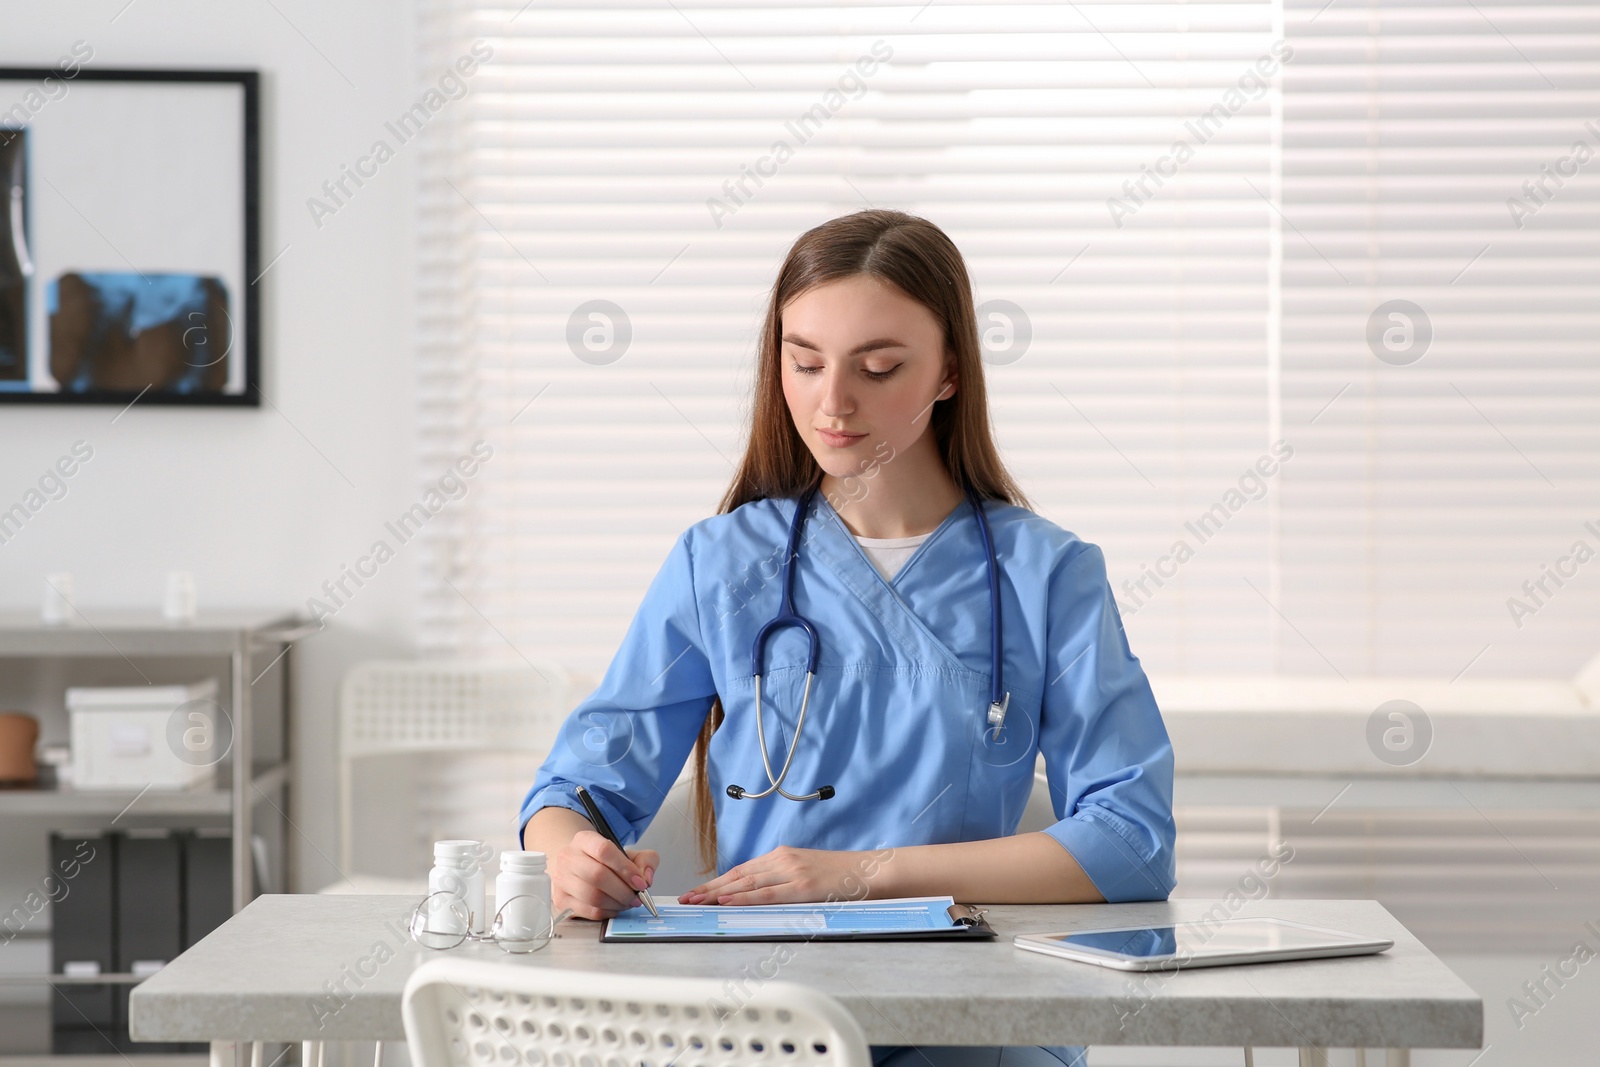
{"x": 999, "y": 699}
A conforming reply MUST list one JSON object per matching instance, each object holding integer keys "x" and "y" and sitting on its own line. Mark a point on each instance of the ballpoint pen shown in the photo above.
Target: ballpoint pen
{"x": 606, "y": 832}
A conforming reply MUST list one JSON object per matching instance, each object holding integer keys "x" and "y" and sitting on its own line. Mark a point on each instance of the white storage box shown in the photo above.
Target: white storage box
{"x": 164, "y": 737}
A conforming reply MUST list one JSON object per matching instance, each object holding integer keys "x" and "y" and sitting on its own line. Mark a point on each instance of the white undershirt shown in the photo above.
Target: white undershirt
{"x": 889, "y": 554}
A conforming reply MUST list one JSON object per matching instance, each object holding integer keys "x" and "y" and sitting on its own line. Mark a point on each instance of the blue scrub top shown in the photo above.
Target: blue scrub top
{"x": 897, "y": 721}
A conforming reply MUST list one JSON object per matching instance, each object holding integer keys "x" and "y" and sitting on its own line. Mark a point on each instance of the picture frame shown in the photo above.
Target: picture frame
{"x": 129, "y": 235}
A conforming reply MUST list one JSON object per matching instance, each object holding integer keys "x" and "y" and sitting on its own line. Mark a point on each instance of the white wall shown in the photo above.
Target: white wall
{"x": 263, "y": 505}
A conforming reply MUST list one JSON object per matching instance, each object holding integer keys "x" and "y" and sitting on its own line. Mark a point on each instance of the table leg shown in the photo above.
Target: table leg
{"x": 1313, "y": 1056}
{"x": 1249, "y": 1056}
{"x": 1397, "y": 1057}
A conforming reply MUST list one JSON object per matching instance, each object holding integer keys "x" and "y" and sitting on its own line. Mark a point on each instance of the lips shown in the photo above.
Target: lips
{"x": 834, "y": 439}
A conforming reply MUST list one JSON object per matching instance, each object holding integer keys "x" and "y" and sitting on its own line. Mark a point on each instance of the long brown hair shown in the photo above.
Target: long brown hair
{"x": 916, "y": 257}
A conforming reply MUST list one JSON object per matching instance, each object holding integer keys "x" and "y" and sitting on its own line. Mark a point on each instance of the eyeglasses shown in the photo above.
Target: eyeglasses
{"x": 522, "y": 924}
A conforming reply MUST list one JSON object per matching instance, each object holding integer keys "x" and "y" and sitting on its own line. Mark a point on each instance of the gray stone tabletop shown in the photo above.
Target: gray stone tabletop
{"x": 308, "y": 967}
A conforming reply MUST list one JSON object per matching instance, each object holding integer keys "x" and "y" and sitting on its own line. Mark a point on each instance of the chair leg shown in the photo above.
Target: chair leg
{"x": 1249, "y": 1056}
{"x": 256, "y": 1052}
{"x": 1313, "y": 1056}
{"x": 223, "y": 1053}
{"x": 377, "y": 1054}
{"x": 1397, "y": 1057}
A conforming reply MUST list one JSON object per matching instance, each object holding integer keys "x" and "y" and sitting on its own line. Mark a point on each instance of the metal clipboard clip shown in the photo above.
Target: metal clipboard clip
{"x": 967, "y": 915}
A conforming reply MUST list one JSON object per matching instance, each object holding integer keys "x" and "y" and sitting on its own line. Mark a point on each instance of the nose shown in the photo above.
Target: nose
{"x": 836, "y": 399}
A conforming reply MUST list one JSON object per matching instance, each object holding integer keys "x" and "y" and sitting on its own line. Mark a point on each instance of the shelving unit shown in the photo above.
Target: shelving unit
{"x": 244, "y": 648}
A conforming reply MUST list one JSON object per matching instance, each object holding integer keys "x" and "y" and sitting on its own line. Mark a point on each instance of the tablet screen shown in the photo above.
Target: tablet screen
{"x": 1194, "y": 939}
{"x": 1145, "y": 942}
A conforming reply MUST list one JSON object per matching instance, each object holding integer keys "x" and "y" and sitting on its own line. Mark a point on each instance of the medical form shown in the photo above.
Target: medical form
{"x": 909, "y": 918}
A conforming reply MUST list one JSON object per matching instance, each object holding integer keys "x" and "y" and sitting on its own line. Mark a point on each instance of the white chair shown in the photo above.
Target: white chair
{"x": 439, "y": 706}
{"x": 435, "y": 706}
{"x": 469, "y": 1013}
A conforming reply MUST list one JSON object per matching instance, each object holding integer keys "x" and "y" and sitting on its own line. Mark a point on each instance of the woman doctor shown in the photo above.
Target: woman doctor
{"x": 870, "y": 406}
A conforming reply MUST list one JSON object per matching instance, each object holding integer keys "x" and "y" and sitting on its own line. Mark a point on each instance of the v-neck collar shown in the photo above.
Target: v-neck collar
{"x": 949, "y": 520}
{"x": 881, "y": 597}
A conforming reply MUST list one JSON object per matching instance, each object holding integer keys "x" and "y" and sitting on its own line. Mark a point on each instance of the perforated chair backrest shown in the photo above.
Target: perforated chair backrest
{"x": 410, "y": 706}
{"x": 444, "y": 705}
{"x": 468, "y": 1013}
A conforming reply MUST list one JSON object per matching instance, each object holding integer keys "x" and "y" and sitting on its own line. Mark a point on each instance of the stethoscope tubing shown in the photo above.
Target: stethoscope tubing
{"x": 999, "y": 699}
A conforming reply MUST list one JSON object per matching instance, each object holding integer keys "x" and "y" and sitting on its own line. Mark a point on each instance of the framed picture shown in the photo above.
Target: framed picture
{"x": 129, "y": 235}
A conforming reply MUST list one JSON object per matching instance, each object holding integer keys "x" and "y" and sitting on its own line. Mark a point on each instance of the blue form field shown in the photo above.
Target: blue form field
{"x": 711, "y": 921}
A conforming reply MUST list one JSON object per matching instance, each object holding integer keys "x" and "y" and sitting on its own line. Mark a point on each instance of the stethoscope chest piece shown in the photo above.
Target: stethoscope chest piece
{"x": 997, "y": 712}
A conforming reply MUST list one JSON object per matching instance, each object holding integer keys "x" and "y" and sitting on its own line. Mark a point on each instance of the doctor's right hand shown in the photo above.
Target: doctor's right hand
{"x": 595, "y": 878}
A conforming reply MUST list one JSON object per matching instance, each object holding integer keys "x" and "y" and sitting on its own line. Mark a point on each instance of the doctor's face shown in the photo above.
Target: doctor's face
{"x": 863, "y": 365}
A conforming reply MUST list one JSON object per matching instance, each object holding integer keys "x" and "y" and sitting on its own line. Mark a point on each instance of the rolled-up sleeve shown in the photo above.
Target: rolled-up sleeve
{"x": 628, "y": 740}
{"x": 1107, "y": 755}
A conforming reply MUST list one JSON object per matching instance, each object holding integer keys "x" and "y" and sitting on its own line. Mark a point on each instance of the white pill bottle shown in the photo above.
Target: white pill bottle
{"x": 522, "y": 895}
{"x": 456, "y": 872}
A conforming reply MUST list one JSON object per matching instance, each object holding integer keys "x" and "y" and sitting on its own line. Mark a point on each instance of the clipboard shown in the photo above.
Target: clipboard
{"x": 847, "y": 920}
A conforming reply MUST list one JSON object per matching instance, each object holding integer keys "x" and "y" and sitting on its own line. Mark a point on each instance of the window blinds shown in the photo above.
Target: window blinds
{"x": 1431, "y": 159}
{"x": 1152, "y": 200}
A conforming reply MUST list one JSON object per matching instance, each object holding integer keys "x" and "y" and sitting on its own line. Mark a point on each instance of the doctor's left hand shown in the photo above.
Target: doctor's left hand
{"x": 785, "y": 875}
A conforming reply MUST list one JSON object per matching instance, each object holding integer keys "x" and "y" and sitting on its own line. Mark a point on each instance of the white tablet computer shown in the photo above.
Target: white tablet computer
{"x": 1175, "y": 946}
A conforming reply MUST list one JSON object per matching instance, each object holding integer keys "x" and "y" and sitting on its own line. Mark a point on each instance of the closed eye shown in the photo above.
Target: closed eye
{"x": 875, "y": 375}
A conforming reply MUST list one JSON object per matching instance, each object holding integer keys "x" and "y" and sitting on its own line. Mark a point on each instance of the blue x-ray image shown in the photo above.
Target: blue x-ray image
{"x": 129, "y": 330}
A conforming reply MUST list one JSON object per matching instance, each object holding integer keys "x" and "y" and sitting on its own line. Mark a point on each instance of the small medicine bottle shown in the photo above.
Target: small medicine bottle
{"x": 522, "y": 875}
{"x": 456, "y": 871}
